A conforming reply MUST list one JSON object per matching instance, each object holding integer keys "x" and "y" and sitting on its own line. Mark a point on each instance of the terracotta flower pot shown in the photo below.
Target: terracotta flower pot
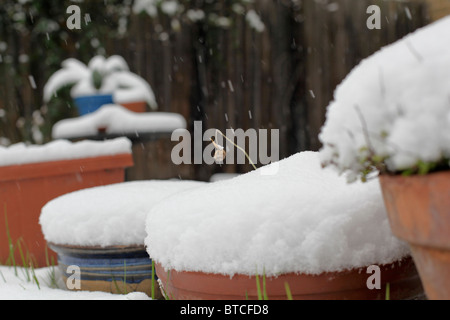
{"x": 25, "y": 189}
{"x": 115, "y": 269}
{"x": 347, "y": 285}
{"x": 137, "y": 106}
{"x": 419, "y": 213}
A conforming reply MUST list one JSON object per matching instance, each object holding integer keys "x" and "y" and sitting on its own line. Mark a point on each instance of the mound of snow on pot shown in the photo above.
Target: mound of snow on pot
{"x": 21, "y": 153}
{"x": 394, "y": 105}
{"x": 303, "y": 219}
{"x": 106, "y": 215}
{"x": 115, "y": 119}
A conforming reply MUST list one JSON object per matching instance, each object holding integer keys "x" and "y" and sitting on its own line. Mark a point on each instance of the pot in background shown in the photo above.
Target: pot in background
{"x": 25, "y": 189}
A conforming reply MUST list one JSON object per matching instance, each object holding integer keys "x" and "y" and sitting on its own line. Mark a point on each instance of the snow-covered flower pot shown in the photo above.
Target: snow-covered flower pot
{"x": 303, "y": 226}
{"x": 102, "y": 81}
{"x": 150, "y": 133}
{"x": 101, "y": 231}
{"x": 391, "y": 116}
{"x": 30, "y": 176}
{"x": 115, "y": 120}
{"x": 115, "y": 269}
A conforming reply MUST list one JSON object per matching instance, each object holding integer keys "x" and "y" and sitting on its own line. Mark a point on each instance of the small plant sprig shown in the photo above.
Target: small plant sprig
{"x": 220, "y": 153}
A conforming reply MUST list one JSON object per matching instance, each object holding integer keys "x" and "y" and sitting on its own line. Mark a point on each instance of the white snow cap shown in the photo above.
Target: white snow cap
{"x": 396, "y": 103}
{"x": 304, "y": 219}
{"x": 117, "y": 120}
{"x": 106, "y": 215}
{"x": 20, "y": 153}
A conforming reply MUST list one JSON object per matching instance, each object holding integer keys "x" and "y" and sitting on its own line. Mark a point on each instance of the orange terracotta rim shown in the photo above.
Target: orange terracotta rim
{"x": 54, "y": 168}
{"x": 402, "y": 276}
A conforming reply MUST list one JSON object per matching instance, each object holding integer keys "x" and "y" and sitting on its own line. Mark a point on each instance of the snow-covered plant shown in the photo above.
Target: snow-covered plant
{"x": 101, "y": 76}
{"x": 392, "y": 112}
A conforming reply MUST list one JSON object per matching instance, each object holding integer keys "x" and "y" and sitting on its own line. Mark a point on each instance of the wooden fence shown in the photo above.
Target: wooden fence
{"x": 282, "y": 78}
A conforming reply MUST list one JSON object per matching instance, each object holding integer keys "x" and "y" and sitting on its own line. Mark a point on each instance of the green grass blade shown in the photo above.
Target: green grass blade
{"x": 288, "y": 291}
{"x": 258, "y": 288}
{"x": 11, "y": 259}
{"x": 24, "y": 262}
{"x": 264, "y": 286}
{"x": 34, "y": 275}
{"x": 153, "y": 280}
{"x": 388, "y": 291}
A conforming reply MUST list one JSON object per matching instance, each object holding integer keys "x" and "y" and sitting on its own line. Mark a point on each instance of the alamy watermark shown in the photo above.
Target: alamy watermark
{"x": 73, "y": 281}
{"x": 224, "y": 148}
{"x": 373, "y": 281}
{"x": 74, "y": 20}
{"x": 374, "y": 20}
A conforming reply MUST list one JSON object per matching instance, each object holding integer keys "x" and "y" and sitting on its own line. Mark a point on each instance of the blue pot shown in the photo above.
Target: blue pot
{"x": 88, "y": 104}
{"x": 117, "y": 269}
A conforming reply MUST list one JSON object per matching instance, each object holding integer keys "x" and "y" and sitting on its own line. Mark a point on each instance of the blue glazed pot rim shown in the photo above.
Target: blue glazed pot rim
{"x": 96, "y": 250}
{"x": 94, "y": 96}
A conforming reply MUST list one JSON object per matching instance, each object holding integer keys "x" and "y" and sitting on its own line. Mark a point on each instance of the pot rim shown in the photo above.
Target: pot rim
{"x": 97, "y": 249}
{"x": 63, "y": 167}
{"x": 347, "y": 284}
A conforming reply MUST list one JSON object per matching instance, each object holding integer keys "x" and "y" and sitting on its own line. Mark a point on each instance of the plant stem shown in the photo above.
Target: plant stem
{"x": 248, "y": 157}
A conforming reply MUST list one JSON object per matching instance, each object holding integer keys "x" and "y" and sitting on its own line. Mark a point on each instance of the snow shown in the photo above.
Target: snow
{"x": 303, "y": 219}
{"x": 195, "y": 15}
{"x": 222, "y": 176}
{"x": 15, "y": 284}
{"x": 255, "y": 21}
{"x": 117, "y": 120}
{"x": 116, "y": 80}
{"x": 106, "y": 215}
{"x": 169, "y": 7}
{"x": 20, "y": 153}
{"x": 149, "y": 6}
{"x": 393, "y": 105}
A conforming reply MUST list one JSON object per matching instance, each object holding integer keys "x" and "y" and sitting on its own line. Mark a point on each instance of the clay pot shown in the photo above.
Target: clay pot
{"x": 419, "y": 213}
{"x": 114, "y": 269}
{"x": 138, "y": 106}
{"x": 89, "y": 104}
{"x": 25, "y": 189}
{"x": 347, "y": 285}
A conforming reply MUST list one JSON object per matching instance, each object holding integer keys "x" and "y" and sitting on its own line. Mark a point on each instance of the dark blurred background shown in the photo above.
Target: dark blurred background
{"x": 225, "y": 69}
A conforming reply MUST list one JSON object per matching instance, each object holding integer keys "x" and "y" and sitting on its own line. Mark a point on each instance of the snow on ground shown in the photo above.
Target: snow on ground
{"x": 21, "y": 153}
{"x": 395, "y": 104}
{"x": 107, "y": 215}
{"x": 222, "y": 176}
{"x": 19, "y": 284}
{"x": 302, "y": 219}
{"x": 116, "y": 119}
